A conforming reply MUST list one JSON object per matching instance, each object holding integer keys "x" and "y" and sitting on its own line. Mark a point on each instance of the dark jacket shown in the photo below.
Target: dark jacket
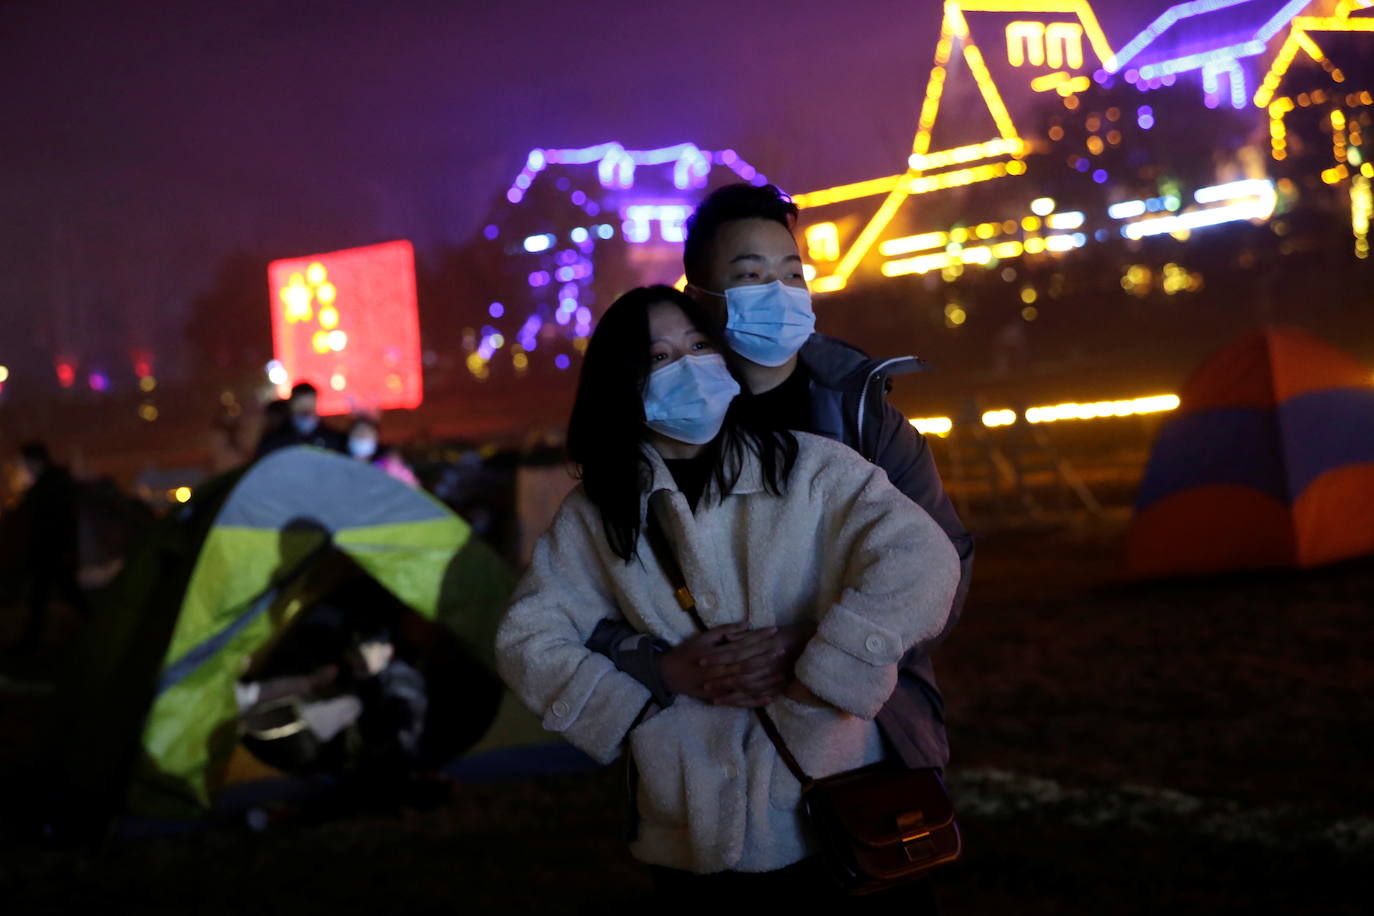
{"x": 323, "y": 436}
{"x": 49, "y": 508}
{"x": 849, "y": 404}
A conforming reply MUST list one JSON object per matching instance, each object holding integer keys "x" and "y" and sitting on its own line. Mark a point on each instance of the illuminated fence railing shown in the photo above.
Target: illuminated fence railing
{"x": 1099, "y": 409}
{"x": 995, "y": 418}
{"x": 932, "y": 426}
{"x": 1093, "y": 410}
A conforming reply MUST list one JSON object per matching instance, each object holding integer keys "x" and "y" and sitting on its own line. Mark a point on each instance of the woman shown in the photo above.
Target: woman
{"x": 770, "y": 528}
{"x": 363, "y": 444}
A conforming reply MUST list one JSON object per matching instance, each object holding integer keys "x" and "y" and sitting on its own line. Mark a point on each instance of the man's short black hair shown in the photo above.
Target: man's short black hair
{"x": 725, "y": 205}
{"x": 303, "y": 388}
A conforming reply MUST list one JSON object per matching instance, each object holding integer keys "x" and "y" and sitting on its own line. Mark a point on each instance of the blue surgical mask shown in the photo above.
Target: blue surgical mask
{"x": 687, "y": 400}
{"x": 362, "y": 447}
{"x": 768, "y": 323}
{"x": 307, "y": 424}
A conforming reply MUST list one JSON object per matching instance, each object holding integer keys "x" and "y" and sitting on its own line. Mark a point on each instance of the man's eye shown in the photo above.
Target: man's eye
{"x": 701, "y": 345}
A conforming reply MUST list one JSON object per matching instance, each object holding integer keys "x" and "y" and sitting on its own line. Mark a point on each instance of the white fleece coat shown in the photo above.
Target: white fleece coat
{"x": 842, "y": 547}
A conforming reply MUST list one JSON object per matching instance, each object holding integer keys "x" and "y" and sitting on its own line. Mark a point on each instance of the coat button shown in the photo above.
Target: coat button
{"x": 706, "y": 602}
{"x": 874, "y": 644}
{"x": 560, "y": 708}
{"x": 731, "y": 771}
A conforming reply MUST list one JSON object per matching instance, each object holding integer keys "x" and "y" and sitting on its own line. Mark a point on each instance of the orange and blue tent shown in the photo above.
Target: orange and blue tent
{"x": 1268, "y": 463}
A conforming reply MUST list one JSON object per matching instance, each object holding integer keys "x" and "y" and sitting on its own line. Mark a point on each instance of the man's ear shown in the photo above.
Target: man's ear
{"x": 713, "y": 303}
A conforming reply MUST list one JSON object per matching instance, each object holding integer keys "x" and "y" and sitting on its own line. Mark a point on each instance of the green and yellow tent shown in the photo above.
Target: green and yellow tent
{"x": 149, "y": 711}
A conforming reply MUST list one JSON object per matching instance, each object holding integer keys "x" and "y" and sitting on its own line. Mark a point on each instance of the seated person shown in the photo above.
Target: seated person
{"x": 394, "y": 702}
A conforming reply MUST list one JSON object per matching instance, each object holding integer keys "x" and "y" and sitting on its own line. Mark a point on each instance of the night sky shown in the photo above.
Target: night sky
{"x": 146, "y": 143}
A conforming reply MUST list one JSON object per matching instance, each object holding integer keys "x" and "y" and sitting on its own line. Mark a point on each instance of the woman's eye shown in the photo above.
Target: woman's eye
{"x": 701, "y": 345}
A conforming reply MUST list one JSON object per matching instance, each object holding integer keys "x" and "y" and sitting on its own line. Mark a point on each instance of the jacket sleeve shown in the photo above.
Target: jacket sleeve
{"x": 541, "y": 648}
{"x": 905, "y": 455}
{"x": 901, "y": 574}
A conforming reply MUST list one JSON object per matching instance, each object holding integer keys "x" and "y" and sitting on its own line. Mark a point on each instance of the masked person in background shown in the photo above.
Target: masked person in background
{"x": 772, "y": 529}
{"x": 364, "y": 443}
{"x": 743, "y": 266}
{"x": 303, "y": 426}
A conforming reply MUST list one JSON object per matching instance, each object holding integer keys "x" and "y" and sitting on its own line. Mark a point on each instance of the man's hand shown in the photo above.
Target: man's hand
{"x": 681, "y": 666}
{"x": 753, "y": 668}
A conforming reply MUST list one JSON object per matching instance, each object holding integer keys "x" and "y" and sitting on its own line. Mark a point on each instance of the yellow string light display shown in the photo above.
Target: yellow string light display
{"x": 1058, "y": 44}
{"x": 1300, "y": 39}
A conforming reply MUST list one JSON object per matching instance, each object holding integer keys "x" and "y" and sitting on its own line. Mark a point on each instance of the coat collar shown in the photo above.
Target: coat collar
{"x": 750, "y": 477}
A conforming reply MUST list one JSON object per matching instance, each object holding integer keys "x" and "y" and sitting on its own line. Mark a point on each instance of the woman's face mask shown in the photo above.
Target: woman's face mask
{"x": 362, "y": 446}
{"x": 687, "y": 400}
{"x": 768, "y": 323}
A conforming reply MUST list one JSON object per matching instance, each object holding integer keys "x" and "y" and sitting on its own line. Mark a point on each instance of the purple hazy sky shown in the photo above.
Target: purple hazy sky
{"x": 147, "y": 142}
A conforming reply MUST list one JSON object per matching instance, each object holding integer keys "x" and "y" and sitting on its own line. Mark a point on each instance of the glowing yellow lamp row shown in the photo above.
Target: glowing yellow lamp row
{"x": 942, "y": 426}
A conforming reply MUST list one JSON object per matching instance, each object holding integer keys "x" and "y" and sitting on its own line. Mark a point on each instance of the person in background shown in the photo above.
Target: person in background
{"x": 743, "y": 266}
{"x": 304, "y": 426}
{"x": 52, "y": 540}
{"x": 364, "y": 443}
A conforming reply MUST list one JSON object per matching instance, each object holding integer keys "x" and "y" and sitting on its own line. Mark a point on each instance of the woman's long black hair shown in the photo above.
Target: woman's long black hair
{"x": 606, "y": 431}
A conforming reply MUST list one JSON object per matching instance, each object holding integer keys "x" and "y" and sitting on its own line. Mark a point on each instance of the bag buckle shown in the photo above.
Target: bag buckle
{"x": 914, "y": 835}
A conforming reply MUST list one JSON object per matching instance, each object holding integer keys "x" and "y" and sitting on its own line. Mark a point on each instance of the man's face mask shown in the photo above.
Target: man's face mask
{"x": 769, "y": 322}
{"x": 305, "y": 423}
{"x": 687, "y": 400}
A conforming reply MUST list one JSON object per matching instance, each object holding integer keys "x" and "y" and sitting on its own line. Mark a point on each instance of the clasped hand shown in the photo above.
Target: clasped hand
{"x": 733, "y": 665}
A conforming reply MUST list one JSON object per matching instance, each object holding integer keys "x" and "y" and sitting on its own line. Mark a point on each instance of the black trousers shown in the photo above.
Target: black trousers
{"x": 796, "y": 889}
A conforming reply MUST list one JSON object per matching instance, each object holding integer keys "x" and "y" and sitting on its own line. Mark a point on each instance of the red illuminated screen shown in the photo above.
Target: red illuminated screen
{"x": 346, "y": 322}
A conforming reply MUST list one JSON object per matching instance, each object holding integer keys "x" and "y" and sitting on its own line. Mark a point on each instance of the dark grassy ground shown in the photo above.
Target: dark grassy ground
{"x": 1194, "y": 747}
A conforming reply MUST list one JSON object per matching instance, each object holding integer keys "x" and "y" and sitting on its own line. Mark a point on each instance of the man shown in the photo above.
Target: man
{"x": 302, "y": 426}
{"x": 49, "y": 512}
{"x": 743, "y": 265}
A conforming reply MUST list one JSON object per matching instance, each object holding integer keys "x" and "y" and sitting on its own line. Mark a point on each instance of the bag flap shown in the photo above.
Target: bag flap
{"x": 879, "y": 805}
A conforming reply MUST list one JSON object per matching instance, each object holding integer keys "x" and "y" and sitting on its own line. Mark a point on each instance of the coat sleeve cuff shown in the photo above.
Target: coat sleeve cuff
{"x": 596, "y": 712}
{"x": 847, "y": 680}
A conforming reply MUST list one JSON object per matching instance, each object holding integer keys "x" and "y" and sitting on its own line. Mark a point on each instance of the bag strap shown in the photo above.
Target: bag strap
{"x": 663, "y": 552}
{"x": 658, "y": 543}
